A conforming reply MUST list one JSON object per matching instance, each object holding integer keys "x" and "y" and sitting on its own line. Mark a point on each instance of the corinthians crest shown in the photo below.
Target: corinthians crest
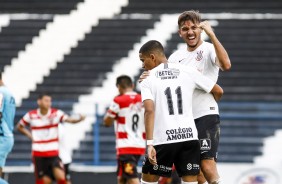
{"x": 199, "y": 55}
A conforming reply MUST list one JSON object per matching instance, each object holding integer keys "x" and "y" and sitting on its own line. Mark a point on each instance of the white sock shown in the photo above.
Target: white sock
{"x": 206, "y": 182}
{"x": 145, "y": 182}
{"x": 218, "y": 181}
{"x": 183, "y": 182}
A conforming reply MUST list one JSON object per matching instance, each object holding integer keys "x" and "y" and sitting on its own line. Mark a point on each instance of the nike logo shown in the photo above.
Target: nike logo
{"x": 181, "y": 60}
{"x": 203, "y": 152}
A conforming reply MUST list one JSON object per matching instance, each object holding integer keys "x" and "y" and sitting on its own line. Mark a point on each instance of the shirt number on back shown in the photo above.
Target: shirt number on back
{"x": 178, "y": 93}
{"x": 135, "y": 119}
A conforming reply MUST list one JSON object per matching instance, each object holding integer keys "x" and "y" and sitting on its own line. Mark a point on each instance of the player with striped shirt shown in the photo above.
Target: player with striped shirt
{"x": 127, "y": 112}
{"x": 44, "y": 135}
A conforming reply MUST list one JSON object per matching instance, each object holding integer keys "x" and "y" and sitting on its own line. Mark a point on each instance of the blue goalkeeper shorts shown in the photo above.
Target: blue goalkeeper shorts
{"x": 6, "y": 145}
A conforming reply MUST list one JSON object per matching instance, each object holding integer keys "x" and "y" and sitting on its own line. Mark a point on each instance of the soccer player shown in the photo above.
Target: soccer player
{"x": 128, "y": 114}
{"x": 7, "y": 115}
{"x": 207, "y": 58}
{"x": 170, "y": 129}
{"x": 43, "y": 123}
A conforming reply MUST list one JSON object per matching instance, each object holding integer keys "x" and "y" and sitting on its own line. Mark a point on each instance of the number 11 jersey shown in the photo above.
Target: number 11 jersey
{"x": 170, "y": 86}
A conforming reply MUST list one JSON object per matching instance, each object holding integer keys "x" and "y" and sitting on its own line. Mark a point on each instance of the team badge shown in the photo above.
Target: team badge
{"x": 199, "y": 55}
{"x": 205, "y": 144}
{"x": 128, "y": 168}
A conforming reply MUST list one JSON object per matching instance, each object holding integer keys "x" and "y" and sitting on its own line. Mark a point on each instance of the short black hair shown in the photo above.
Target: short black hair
{"x": 152, "y": 46}
{"x": 124, "y": 81}
{"x": 41, "y": 95}
{"x": 192, "y": 15}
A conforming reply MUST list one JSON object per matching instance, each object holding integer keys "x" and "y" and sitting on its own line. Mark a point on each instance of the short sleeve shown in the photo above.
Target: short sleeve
{"x": 62, "y": 116}
{"x": 25, "y": 121}
{"x": 212, "y": 53}
{"x": 113, "y": 109}
{"x": 146, "y": 91}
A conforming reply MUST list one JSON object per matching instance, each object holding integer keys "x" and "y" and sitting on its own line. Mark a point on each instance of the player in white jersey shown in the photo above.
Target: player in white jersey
{"x": 127, "y": 112}
{"x": 44, "y": 135}
{"x": 170, "y": 129}
{"x": 208, "y": 59}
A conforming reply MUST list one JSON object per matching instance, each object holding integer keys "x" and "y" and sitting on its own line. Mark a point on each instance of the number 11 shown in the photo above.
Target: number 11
{"x": 178, "y": 92}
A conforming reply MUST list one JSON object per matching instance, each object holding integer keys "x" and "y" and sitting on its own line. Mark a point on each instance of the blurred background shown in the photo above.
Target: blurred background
{"x": 75, "y": 49}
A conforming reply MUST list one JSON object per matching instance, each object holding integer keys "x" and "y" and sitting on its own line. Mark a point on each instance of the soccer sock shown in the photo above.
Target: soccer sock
{"x": 145, "y": 182}
{"x": 39, "y": 181}
{"x": 3, "y": 181}
{"x": 183, "y": 182}
{"x": 62, "y": 181}
{"x": 218, "y": 181}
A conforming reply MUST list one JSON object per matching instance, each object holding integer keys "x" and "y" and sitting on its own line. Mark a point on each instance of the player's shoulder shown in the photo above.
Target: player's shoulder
{"x": 33, "y": 111}
{"x": 177, "y": 55}
{"x": 207, "y": 45}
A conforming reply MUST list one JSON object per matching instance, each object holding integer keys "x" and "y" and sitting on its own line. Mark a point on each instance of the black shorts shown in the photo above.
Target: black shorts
{"x": 43, "y": 166}
{"x": 67, "y": 172}
{"x": 127, "y": 166}
{"x": 208, "y": 133}
{"x": 184, "y": 155}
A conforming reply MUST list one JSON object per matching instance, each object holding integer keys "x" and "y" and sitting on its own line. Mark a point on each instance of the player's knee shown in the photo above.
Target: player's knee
{"x": 145, "y": 182}
{"x": 208, "y": 166}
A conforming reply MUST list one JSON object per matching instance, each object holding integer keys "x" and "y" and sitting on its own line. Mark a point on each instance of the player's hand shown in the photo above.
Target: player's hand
{"x": 82, "y": 117}
{"x": 143, "y": 76}
{"x": 152, "y": 155}
{"x": 205, "y": 25}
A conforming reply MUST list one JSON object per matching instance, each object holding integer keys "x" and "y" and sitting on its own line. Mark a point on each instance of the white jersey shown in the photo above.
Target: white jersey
{"x": 129, "y": 125}
{"x": 203, "y": 59}
{"x": 171, "y": 87}
{"x": 44, "y": 130}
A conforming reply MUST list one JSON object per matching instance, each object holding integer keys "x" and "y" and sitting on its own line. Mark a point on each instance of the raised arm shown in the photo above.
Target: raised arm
{"x": 222, "y": 58}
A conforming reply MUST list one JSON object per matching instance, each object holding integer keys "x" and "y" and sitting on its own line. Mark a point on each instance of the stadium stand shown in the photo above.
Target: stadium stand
{"x": 14, "y": 37}
{"x": 249, "y": 109}
{"x": 38, "y": 6}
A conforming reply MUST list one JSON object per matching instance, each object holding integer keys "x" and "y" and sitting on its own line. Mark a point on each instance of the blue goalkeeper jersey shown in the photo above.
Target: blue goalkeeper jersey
{"x": 8, "y": 109}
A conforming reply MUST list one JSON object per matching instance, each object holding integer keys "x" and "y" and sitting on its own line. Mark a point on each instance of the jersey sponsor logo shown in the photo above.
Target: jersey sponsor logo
{"x": 180, "y": 133}
{"x": 212, "y": 108}
{"x": 205, "y": 144}
{"x": 193, "y": 166}
{"x": 199, "y": 55}
{"x": 164, "y": 168}
{"x": 170, "y": 73}
{"x": 155, "y": 167}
